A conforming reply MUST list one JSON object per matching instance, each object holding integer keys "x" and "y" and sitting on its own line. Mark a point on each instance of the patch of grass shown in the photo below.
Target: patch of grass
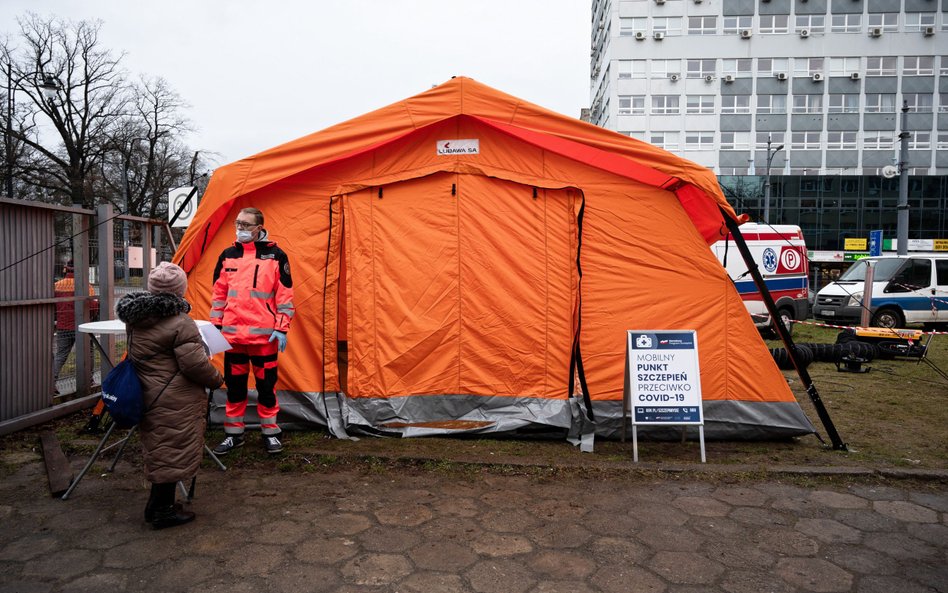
{"x": 894, "y": 415}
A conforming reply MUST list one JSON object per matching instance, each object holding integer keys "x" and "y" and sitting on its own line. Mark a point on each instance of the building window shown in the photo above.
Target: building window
{"x": 807, "y": 67}
{"x": 664, "y": 68}
{"x": 632, "y": 25}
{"x": 739, "y": 68}
{"x": 699, "y": 104}
{"x": 839, "y": 103}
{"x": 920, "y": 141}
{"x": 666, "y": 140}
{"x": 943, "y": 102}
{"x": 878, "y": 140}
{"x": 880, "y": 103}
{"x": 918, "y": 102}
{"x": 771, "y": 103}
{"x": 808, "y": 104}
{"x": 919, "y": 65}
{"x": 942, "y": 141}
{"x": 805, "y": 140}
{"x": 665, "y": 104}
{"x": 944, "y": 59}
{"x": 846, "y": 23}
{"x": 814, "y": 23}
{"x": 667, "y": 25}
{"x": 844, "y": 66}
{"x": 881, "y": 66}
{"x": 735, "y": 103}
{"x": 631, "y": 69}
{"x": 776, "y": 139}
{"x": 631, "y": 104}
{"x": 701, "y": 68}
{"x": 774, "y": 23}
{"x": 736, "y": 24}
{"x": 702, "y": 25}
{"x": 841, "y": 140}
{"x": 735, "y": 140}
{"x": 917, "y": 21}
{"x": 699, "y": 140}
{"x": 772, "y": 66}
{"x": 887, "y": 21}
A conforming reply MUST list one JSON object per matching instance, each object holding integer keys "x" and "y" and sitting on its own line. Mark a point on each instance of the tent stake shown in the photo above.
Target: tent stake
{"x": 784, "y": 333}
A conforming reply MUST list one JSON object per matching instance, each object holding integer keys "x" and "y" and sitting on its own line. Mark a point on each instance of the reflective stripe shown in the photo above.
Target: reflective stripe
{"x": 217, "y": 314}
{"x": 218, "y": 303}
{"x": 285, "y": 307}
{"x": 231, "y": 292}
{"x": 228, "y": 329}
{"x": 266, "y": 331}
{"x": 261, "y": 295}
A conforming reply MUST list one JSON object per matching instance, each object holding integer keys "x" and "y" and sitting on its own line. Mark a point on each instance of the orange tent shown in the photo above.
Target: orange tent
{"x": 461, "y": 257}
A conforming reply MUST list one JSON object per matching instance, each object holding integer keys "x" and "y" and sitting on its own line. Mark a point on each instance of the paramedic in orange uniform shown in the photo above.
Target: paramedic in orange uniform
{"x": 252, "y": 305}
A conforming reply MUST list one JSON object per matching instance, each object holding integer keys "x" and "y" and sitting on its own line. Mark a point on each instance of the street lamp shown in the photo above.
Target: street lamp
{"x": 770, "y": 158}
{"x": 50, "y": 86}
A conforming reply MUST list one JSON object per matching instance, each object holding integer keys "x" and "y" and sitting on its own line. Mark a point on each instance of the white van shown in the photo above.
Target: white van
{"x": 905, "y": 289}
{"x": 780, "y": 253}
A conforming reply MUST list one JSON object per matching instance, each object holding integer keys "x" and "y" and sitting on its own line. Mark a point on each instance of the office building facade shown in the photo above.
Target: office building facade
{"x": 807, "y": 93}
{"x": 714, "y": 80}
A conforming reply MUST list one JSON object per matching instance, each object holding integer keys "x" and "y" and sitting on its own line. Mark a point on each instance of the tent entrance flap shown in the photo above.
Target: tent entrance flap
{"x": 459, "y": 285}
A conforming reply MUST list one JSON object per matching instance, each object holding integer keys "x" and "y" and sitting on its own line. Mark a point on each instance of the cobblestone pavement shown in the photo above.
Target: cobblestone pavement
{"x": 410, "y": 530}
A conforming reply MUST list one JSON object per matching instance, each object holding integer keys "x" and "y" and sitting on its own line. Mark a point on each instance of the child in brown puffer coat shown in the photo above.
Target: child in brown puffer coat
{"x": 169, "y": 357}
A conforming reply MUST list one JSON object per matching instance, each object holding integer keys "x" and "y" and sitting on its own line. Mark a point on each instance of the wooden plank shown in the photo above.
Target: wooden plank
{"x": 57, "y": 466}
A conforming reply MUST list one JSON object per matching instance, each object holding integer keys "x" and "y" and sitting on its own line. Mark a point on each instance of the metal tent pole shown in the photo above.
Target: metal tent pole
{"x": 784, "y": 334}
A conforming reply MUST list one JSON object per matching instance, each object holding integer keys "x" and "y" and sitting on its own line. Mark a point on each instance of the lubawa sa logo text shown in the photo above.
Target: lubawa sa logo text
{"x": 467, "y": 146}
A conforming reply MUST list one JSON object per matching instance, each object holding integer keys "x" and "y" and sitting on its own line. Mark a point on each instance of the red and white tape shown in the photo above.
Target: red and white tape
{"x": 853, "y": 327}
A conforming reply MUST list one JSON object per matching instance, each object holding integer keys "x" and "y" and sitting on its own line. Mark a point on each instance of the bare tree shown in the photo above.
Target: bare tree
{"x": 88, "y": 95}
{"x": 146, "y": 158}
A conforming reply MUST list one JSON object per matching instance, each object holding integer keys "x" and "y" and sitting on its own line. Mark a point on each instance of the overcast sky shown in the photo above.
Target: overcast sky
{"x": 260, "y": 73}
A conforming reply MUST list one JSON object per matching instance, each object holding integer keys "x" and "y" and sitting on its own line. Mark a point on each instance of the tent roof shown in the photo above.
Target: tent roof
{"x": 695, "y": 186}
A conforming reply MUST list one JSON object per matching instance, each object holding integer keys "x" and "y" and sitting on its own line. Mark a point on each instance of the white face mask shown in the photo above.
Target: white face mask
{"x": 244, "y": 236}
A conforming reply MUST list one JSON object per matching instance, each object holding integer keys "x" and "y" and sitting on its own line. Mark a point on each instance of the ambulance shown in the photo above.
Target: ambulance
{"x": 781, "y": 257}
{"x": 906, "y": 289}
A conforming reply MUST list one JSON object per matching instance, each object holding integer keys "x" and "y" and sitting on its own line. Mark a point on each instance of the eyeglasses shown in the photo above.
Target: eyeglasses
{"x": 245, "y": 226}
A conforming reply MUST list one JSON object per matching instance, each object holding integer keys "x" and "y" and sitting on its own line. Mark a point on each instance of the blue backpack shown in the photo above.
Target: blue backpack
{"x": 122, "y": 392}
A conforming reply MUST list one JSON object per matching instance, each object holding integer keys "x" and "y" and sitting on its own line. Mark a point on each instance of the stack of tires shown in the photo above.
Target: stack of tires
{"x": 853, "y": 348}
{"x": 846, "y": 346}
{"x": 782, "y": 357}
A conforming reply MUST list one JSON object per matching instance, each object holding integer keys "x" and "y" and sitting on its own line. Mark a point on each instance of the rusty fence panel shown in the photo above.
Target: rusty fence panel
{"x": 60, "y": 267}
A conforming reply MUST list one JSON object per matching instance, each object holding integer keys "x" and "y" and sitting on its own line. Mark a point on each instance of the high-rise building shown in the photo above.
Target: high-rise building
{"x": 823, "y": 80}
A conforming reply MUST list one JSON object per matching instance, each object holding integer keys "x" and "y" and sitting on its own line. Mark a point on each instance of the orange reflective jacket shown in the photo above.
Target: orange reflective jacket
{"x": 253, "y": 292}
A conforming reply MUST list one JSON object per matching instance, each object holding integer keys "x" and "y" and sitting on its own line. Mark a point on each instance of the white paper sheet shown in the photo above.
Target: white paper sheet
{"x": 214, "y": 340}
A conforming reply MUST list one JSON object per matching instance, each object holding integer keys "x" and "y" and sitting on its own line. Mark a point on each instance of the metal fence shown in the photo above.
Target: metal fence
{"x": 61, "y": 267}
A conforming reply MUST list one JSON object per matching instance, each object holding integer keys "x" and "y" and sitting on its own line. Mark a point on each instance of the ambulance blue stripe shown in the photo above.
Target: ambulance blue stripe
{"x": 773, "y": 284}
{"x": 908, "y": 303}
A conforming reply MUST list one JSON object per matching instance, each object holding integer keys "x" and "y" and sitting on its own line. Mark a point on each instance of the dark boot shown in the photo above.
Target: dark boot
{"x": 150, "y": 505}
{"x": 165, "y": 513}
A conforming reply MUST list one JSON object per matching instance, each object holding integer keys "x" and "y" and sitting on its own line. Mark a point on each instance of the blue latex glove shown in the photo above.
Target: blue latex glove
{"x": 280, "y": 337}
